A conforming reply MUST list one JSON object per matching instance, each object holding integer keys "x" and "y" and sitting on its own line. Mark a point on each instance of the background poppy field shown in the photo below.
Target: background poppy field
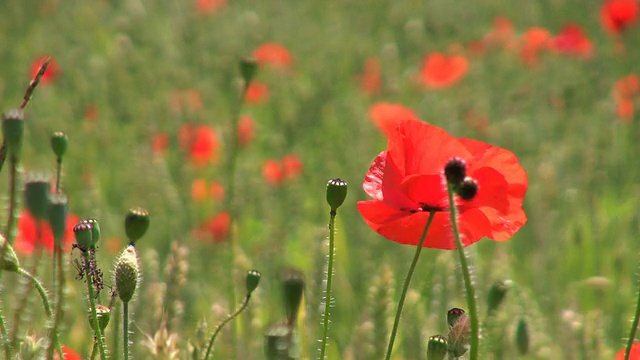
{"x": 146, "y": 92}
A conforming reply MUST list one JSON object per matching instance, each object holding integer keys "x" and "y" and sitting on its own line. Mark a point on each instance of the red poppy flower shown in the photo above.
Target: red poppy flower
{"x": 27, "y": 239}
{"x": 627, "y": 86}
{"x": 218, "y": 227}
{"x": 209, "y": 6}
{"x": 160, "y": 143}
{"x": 385, "y": 116}
{"x": 272, "y": 54}
{"x": 572, "y": 41}
{"x": 216, "y": 191}
{"x": 501, "y": 34}
{"x": 91, "y": 112}
{"x": 201, "y": 142}
{"x": 52, "y": 71}
{"x": 534, "y": 41}
{"x": 406, "y": 181}
{"x": 442, "y": 71}
{"x": 245, "y": 130}
{"x": 625, "y": 109}
{"x": 617, "y": 15}
{"x": 68, "y": 354}
{"x": 371, "y": 78}
{"x": 273, "y": 172}
{"x": 292, "y": 166}
{"x": 199, "y": 189}
{"x": 257, "y": 93}
{"x": 634, "y": 355}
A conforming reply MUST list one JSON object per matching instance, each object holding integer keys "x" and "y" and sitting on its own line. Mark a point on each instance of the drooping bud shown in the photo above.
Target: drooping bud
{"x": 36, "y": 194}
{"x": 468, "y": 189}
{"x": 522, "y": 336}
{"x": 84, "y": 235}
{"x": 136, "y": 223}
{"x": 454, "y": 315}
{"x": 252, "y": 280}
{"x": 95, "y": 229}
{"x": 455, "y": 170}
{"x": 104, "y": 315}
{"x": 437, "y": 347}
{"x": 248, "y": 69}
{"x": 13, "y": 130}
{"x": 459, "y": 331}
{"x": 292, "y": 290}
{"x": 496, "y": 295}
{"x": 59, "y": 142}
{"x": 127, "y": 273}
{"x": 336, "y": 193}
{"x": 10, "y": 261}
{"x": 58, "y": 215}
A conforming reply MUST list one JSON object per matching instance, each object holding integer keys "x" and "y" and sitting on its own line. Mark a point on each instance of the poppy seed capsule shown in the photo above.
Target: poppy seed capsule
{"x": 468, "y": 189}
{"x": 454, "y": 315}
{"x": 10, "y": 261}
{"x": 455, "y": 171}
{"x": 13, "y": 130}
{"x": 336, "y": 193}
{"x": 36, "y": 195}
{"x": 292, "y": 289}
{"x": 496, "y": 295}
{"x": 127, "y": 273}
{"x": 248, "y": 69}
{"x": 252, "y": 280}
{"x": 58, "y": 215}
{"x": 104, "y": 315}
{"x": 437, "y": 347}
{"x": 136, "y": 223}
{"x": 84, "y": 235}
{"x": 95, "y": 229}
{"x": 59, "y": 142}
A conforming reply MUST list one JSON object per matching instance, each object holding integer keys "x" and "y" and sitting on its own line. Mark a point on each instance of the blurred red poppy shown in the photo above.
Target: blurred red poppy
{"x": 27, "y": 239}
{"x": 371, "y": 77}
{"x": 272, "y": 54}
{"x": 617, "y": 15}
{"x": 245, "y": 130}
{"x": 218, "y": 226}
{"x": 385, "y": 116}
{"x": 627, "y": 86}
{"x": 257, "y": 93}
{"x": 406, "y": 182}
{"x": 91, "y": 112}
{"x": 50, "y": 75}
{"x": 199, "y": 191}
{"x": 533, "y": 42}
{"x": 159, "y": 143}
{"x": 68, "y": 354}
{"x": 441, "y": 71}
{"x": 292, "y": 166}
{"x": 273, "y": 172}
{"x": 572, "y": 41}
{"x": 201, "y": 142}
{"x": 634, "y": 355}
{"x": 209, "y": 6}
{"x": 625, "y": 109}
{"x": 216, "y": 191}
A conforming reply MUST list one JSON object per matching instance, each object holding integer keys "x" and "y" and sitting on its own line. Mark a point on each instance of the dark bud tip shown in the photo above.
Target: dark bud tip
{"x": 468, "y": 189}
{"x": 293, "y": 289}
{"x": 59, "y": 142}
{"x": 13, "y": 129}
{"x": 136, "y": 223}
{"x": 36, "y": 193}
{"x": 437, "y": 347}
{"x": 454, "y": 315}
{"x": 58, "y": 215}
{"x": 95, "y": 229}
{"x": 522, "y": 336}
{"x": 84, "y": 235}
{"x": 248, "y": 69}
{"x": 336, "y": 193}
{"x": 496, "y": 295}
{"x": 252, "y": 280}
{"x": 455, "y": 171}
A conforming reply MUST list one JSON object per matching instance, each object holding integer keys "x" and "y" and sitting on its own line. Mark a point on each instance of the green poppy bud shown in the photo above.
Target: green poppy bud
{"x": 496, "y": 295}
{"x": 95, "y": 229}
{"x": 455, "y": 171}
{"x": 454, "y": 315}
{"x": 104, "y": 315}
{"x": 136, "y": 223}
{"x": 127, "y": 273}
{"x": 336, "y": 193}
{"x": 248, "y": 69}
{"x": 58, "y": 215}
{"x": 84, "y": 235}
{"x": 437, "y": 347}
{"x": 36, "y": 194}
{"x": 10, "y": 261}
{"x": 13, "y": 130}
{"x": 522, "y": 336}
{"x": 59, "y": 142}
{"x": 252, "y": 280}
{"x": 468, "y": 188}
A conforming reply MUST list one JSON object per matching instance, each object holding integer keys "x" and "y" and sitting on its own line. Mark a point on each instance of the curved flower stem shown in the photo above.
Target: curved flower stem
{"x": 92, "y": 307}
{"x": 405, "y": 287}
{"x": 472, "y": 307}
{"x": 634, "y": 328}
{"x": 5, "y": 338}
{"x": 327, "y": 296}
{"x": 224, "y": 322}
{"x": 125, "y": 329}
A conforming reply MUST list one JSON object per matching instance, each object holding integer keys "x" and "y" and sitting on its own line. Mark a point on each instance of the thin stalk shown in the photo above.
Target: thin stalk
{"x": 634, "y": 328}
{"x": 25, "y": 293}
{"x": 225, "y": 321}
{"x": 94, "y": 350}
{"x": 5, "y": 337}
{"x": 405, "y": 287}
{"x": 327, "y": 298}
{"x": 125, "y": 329}
{"x": 115, "y": 315}
{"x": 472, "y": 307}
{"x": 59, "y": 311}
{"x": 58, "y": 174}
{"x": 92, "y": 306}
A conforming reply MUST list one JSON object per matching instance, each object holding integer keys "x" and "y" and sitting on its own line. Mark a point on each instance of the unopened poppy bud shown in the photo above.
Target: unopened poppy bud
{"x": 522, "y": 336}
{"x": 36, "y": 194}
{"x": 58, "y": 215}
{"x": 454, "y": 315}
{"x": 13, "y": 130}
{"x": 136, "y": 223}
{"x": 84, "y": 235}
{"x": 468, "y": 188}
{"x": 336, "y": 193}
{"x": 248, "y": 69}
{"x": 455, "y": 171}
{"x": 496, "y": 295}
{"x": 437, "y": 347}
{"x": 59, "y": 142}
{"x": 10, "y": 261}
{"x": 292, "y": 289}
{"x": 252, "y": 280}
{"x": 103, "y": 313}
{"x": 95, "y": 229}
{"x": 459, "y": 332}
{"x": 127, "y": 273}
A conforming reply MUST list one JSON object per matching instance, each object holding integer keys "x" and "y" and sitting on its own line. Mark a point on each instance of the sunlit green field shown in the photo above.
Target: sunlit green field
{"x": 131, "y": 72}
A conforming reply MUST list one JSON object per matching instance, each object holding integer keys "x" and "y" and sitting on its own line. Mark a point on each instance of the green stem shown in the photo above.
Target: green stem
{"x": 405, "y": 287}
{"x": 58, "y": 174}
{"x": 60, "y": 294}
{"x": 125, "y": 329}
{"x": 472, "y": 307}
{"x": 634, "y": 328}
{"x": 94, "y": 350}
{"x": 229, "y": 318}
{"x": 92, "y": 307}
{"x": 5, "y": 337}
{"x": 327, "y": 297}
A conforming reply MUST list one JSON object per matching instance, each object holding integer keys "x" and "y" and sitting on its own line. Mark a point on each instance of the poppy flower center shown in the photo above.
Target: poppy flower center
{"x": 427, "y": 208}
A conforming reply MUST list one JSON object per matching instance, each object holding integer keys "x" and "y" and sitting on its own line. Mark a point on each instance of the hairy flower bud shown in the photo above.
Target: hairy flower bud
{"x": 10, "y": 261}
{"x": 437, "y": 347}
{"x": 59, "y": 142}
{"x": 136, "y": 223}
{"x": 336, "y": 193}
{"x": 496, "y": 295}
{"x": 252, "y": 280}
{"x": 13, "y": 130}
{"x": 248, "y": 69}
{"x": 455, "y": 171}
{"x": 104, "y": 315}
{"x": 468, "y": 188}
{"x": 127, "y": 273}
{"x": 36, "y": 194}
{"x": 83, "y": 232}
{"x": 58, "y": 215}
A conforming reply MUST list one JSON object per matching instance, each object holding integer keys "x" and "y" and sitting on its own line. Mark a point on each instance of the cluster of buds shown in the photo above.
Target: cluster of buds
{"x": 456, "y": 343}
{"x": 455, "y": 171}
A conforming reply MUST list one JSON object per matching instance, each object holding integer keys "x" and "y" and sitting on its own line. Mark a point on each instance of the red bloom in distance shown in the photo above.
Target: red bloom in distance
{"x": 201, "y": 142}
{"x": 634, "y": 355}
{"x": 371, "y": 77}
{"x": 52, "y": 71}
{"x": 292, "y": 166}
{"x": 159, "y": 143}
{"x": 572, "y": 41}
{"x": 218, "y": 227}
{"x": 617, "y": 15}
{"x": 534, "y": 41}
{"x": 406, "y": 182}
{"x": 209, "y": 6}
{"x": 272, "y": 54}
{"x": 27, "y": 240}
{"x": 245, "y": 130}
{"x": 441, "y": 71}
{"x": 385, "y": 116}
{"x": 273, "y": 172}
{"x": 257, "y": 93}
{"x": 68, "y": 354}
